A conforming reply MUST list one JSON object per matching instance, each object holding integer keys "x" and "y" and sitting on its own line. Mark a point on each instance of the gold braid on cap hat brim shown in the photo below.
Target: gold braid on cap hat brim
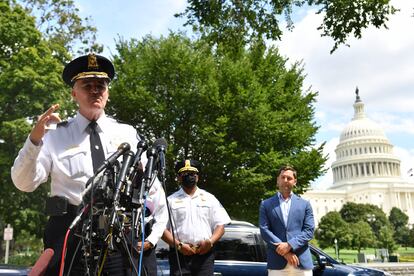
{"x": 90, "y": 74}
{"x": 188, "y": 169}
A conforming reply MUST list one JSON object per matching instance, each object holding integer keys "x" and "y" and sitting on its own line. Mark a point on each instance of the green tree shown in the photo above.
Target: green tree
{"x": 332, "y": 227}
{"x": 30, "y": 82}
{"x": 362, "y": 235}
{"x": 28, "y": 72}
{"x": 411, "y": 237}
{"x": 399, "y": 222}
{"x": 60, "y": 23}
{"x": 398, "y": 218}
{"x": 236, "y": 22}
{"x": 372, "y": 214}
{"x": 353, "y": 212}
{"x": 386, "y": 239}
{"x": 242, "y": 118}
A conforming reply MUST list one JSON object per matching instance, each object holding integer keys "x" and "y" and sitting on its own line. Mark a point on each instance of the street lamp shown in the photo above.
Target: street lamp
{"x": 336, "y": 249}
{"x": 371, "y": 220}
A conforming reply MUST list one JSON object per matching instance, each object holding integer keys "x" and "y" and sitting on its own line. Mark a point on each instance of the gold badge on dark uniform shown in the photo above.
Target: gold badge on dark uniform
{"x": 92, "y": 62}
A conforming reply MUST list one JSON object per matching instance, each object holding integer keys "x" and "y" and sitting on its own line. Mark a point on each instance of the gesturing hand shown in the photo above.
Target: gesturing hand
{"x": 46, "y": 118}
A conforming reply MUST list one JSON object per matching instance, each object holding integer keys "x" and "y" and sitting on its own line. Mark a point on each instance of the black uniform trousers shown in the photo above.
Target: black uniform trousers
{"x": 194, "y": 265}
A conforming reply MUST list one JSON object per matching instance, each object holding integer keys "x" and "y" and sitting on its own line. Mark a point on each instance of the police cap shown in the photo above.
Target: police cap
{"x": 187, "y": 165}
{"x": 88, "y": 66}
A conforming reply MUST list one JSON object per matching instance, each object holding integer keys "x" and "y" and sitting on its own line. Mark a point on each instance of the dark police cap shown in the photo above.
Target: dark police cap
{"x": 187, "y": 165}
{"x": 88, "y": 66}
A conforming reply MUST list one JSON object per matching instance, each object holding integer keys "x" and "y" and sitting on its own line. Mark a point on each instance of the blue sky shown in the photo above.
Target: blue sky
{"x": 381, "y": 64}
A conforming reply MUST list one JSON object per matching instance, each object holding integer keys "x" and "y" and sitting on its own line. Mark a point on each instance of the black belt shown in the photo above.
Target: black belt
{"x": 59, "y": 206}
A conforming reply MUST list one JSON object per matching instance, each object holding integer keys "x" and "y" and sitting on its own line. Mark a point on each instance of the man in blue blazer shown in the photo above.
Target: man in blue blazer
{"x": 287, "y": 225}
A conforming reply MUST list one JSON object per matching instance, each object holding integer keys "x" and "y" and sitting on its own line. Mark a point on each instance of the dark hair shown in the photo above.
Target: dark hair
{"x": 287, "y": 168}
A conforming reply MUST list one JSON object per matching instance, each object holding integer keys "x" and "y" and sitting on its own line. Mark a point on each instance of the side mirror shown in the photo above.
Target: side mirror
{"x": 322, "y": 261}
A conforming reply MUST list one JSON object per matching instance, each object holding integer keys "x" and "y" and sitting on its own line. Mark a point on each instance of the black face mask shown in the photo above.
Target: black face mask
{"x": 189, "y": 180}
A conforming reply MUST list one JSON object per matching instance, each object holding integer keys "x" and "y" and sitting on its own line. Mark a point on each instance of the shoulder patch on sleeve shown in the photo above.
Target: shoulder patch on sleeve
{"x": 63, "y": 124}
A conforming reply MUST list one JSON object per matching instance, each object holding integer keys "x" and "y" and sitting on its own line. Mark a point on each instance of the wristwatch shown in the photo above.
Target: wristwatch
{"x": 179, "y": 246}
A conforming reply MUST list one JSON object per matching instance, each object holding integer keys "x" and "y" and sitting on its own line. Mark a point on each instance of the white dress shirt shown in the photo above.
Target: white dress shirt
{"x": 285, "y": 204}
{"x": 157, "y": 204}
{"x": 65, "y": 155}
{"x": 195, "y": 217}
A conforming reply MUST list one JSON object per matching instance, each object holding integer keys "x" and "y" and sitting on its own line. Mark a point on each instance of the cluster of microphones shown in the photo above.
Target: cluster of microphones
{"x": 132, "y": 180}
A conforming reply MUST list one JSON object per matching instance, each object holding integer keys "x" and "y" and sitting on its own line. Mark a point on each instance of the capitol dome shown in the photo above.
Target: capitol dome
{"x": 363, "y": 152}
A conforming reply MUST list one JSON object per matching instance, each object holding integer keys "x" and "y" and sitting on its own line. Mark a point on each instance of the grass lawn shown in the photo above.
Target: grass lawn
{"x": 350, "y": 256}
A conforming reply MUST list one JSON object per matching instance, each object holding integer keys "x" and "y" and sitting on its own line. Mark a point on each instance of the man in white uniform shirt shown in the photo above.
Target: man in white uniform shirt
{"x": 198, "y": 221}
{"x": 65, "y": 154}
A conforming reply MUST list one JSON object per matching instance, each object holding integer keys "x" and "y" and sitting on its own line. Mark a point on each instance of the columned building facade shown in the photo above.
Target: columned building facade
{"x": 365, "y": 171}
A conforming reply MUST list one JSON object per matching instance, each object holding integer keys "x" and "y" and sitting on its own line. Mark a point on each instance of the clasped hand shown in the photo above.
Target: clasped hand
{"x": 283, "y": 249}
{"x": 202, "y": 248}
{"x": 147, "y": 245}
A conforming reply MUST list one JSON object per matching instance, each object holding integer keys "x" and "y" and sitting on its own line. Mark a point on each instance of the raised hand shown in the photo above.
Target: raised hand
{"x": 43, "y": 121}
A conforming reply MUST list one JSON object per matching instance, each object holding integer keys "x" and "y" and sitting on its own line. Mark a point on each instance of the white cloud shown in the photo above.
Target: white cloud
{"x": 407, "y": 160}
{"x": 325, "y": 181}
{"x": 380, "y": 64}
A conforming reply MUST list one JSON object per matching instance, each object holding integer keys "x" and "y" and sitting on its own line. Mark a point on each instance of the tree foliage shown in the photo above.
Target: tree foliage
{"x": 411, "y": 237}
{"x": 386, "y": 239}
{"x": 332, "y": 227}
{"x": 362, "y": 235}
{"x": 398, "y": 218}
{"x": 372, "y": 214}
{"x": 242, "y": 118}
{"x": 380, "y": 233}
{"x": 60, "y": 23}
{"x": 235, "y": 22}
{"x": 399, "y": 222}
{"x": 30, "y": 81}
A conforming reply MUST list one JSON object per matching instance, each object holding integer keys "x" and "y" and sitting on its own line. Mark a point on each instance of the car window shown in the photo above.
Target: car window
{"x": 262, "y": 254}
{"x": 314, "y": 258}
{"x": 235, "y": 245}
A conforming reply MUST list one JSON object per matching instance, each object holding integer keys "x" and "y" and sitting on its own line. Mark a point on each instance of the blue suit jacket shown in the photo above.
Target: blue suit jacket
{"x": 298, "y": 231}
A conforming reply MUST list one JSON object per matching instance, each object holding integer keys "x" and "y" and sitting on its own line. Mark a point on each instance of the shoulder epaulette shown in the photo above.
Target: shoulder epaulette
{"x": 63, "y": 124}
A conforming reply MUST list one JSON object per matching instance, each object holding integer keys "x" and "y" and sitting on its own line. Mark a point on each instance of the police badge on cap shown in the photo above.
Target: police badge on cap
{"x": 187, "y": 165}
{"x": 88, "y": 66}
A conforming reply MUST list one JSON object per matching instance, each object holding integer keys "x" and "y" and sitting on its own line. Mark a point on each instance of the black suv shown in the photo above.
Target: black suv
{"x": 242, "y": 251}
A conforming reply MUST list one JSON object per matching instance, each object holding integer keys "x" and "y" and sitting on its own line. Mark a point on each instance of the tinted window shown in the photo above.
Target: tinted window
{"x": 261, "y": 248}
{"x": 240, "y": 246}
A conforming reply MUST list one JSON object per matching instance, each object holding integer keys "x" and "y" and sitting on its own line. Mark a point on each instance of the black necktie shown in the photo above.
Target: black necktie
{"x": 98, "y": 156}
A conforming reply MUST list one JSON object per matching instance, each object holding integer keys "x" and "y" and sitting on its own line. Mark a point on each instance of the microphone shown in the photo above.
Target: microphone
{"x": 158, "y": 147}
{"x": 141, "y": 147}
{"x": 162, "y": 147}
{"x": 160, "y": 144}
{"x": 126, "y": 163}
{"x": 124, "y": 147}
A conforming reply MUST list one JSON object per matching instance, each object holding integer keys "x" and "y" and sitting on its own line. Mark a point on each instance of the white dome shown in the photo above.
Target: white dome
{"x": 363, "y": 152}
{"x": 362, "y": 128}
